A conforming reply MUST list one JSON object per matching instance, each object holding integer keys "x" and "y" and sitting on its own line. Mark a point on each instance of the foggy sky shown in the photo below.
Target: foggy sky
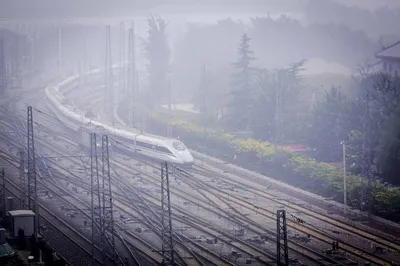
{"x": 81, "y": 8}
{"x": 62, "y": 8}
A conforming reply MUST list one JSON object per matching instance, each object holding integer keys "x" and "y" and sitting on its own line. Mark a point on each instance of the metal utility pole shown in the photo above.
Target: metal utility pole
{"x": 167, "y": 245}
{"x": 282, "y": 255}
{"x": 277, "y": 111}
{"x": 32, "y": 182}
{"x": 3, "y": 192}
{"x": 60, "y": 59}
{"x": 84, "y": 64}
{"x": 122, "y": 68}
{"x": 169, "y": 129}
{"x": 3, "y": 72}
{"x": 139, "y": 115}
{"x": 107, "y": 213}
{"x": 32, "y": 35}
{"x": 95, "y": 194}
{"x": 132, "y": 95}
{"x": 344, "y": 177}
{"x": 109, "y": 94}
{"x": 203, "y": 88}
{"x": 16, "y": 69}
{"x": 22, "y": 179}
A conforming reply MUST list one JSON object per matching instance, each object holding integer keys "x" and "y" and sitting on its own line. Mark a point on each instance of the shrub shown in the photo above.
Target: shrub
{"x": 306, "y": 173}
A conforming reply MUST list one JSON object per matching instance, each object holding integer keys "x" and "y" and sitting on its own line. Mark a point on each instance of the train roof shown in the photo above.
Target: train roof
{"x": 93, "y": 125}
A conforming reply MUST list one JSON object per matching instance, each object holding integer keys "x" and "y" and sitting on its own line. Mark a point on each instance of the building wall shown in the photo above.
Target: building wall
{"x": 26, "y": 223}
{"x": 391, "y": 67}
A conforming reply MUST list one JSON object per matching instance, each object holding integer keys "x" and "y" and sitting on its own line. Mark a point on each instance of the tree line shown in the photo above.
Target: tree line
{"x": 273, "y": 104}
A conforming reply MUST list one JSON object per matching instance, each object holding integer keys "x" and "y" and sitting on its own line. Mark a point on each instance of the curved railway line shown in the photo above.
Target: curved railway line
{"x": 68, "y": 197}
{"x": 58, "y": 155}
{"x": 384, "y": 240}
{"x": 364, "y": 250}
{"x": 221, "y": 198}
{"x": 48, "y": 183}
{"x": 78, "y": 182}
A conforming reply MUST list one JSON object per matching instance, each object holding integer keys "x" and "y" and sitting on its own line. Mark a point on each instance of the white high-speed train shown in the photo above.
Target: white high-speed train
{"x": 155, "y": 147}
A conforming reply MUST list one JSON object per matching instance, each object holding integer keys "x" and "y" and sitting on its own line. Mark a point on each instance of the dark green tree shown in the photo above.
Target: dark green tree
{"x": 279, "y": 112}
{"x": 158, "y": 56}
{"x": 242, "y": 96}
{"x": 370, "y": 123}
{"x": 264, "y": 111}
{"x": 389, "y": 149}
{"x": 381, "y": 94}
{"x": 328, "y": 129}
{"x": 292, "y": 109}
{"x": 354, "y": 115}
{"x": 200, "y": 98}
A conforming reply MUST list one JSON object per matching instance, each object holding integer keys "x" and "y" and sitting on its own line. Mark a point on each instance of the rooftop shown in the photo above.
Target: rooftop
{"x": 21, "y": 213}
{"x": 392, "y": 51}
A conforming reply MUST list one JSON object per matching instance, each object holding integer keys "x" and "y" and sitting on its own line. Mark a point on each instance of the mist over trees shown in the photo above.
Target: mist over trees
{"x": 378, "y": 23}
{"x": 254, "y": 71}
{"x": 277, "y": 43}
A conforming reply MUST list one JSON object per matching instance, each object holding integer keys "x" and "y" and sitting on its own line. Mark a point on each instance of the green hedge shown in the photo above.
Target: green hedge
{"x": 300, "y": 171}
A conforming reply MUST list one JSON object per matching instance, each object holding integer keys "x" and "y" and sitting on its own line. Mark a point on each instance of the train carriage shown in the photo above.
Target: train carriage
{"x": 125, "y": 139}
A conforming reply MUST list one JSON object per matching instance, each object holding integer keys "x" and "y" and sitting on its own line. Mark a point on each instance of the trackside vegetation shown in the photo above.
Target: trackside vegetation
{"x": 303, "y": 172}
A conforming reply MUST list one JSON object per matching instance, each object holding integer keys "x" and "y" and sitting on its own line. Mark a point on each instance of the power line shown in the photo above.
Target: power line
{"x": 32, "y": 182}
{"x": 122, "y": 66}
{"x": 109, "y": 93}
{"x": 3, "y": 72}
{"x": 282, "y": 255}
{"x": 95, "y": 195}
{"x": 132, "y": 93}
{"x": 167, "y": 245}
{"x": 107, "y": 204}
{"x": 22, "y": 179}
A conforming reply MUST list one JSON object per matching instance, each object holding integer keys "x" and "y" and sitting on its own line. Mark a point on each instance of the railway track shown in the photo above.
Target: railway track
{"x": 117, "y": 203}
{"x": 220, "y": 196}
{"x": 216, "y": 209}
{"x": 56, "y": 155}
{"x": 56, "y": 228}
{"x": 335, "y": 226}
{"x": 381, "y": 238}
{"x": 59, "y": 169}
{"x": 361, "y": 249}
{"x": 66, "y": 197}
{"x": 320, "y": 237}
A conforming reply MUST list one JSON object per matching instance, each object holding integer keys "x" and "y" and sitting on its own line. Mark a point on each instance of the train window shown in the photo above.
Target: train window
{"x": 152, "y": 147}
{"x": 179, "y": 145}
{"x": 163, "y": 149}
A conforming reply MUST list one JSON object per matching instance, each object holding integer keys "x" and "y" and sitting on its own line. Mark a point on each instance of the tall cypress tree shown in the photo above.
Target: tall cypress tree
{"x": 158, "y": 56}
{"x": 242, "y": 97}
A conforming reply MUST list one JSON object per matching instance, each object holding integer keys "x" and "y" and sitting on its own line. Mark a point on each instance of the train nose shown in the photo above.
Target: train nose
{"x": 188, "y": 159}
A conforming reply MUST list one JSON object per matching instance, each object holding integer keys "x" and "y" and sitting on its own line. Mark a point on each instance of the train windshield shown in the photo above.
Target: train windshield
{"x": 179, "y": 145}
